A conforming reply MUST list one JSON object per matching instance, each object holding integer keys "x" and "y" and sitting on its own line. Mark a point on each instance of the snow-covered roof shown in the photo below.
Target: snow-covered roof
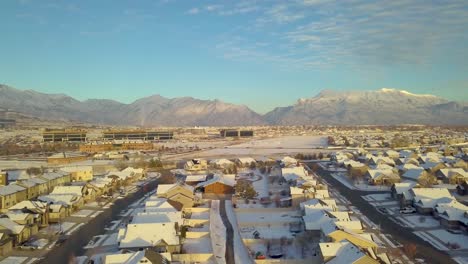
{"x": 10, "y": 189}
{"x": 451, "y": 172}
{"x": 126, "y": 258}
{"x": 11, "y": 225}
{"x": 31, "y": 205}
{"x": 195, "y": 178}
{"x": 414, "y": 174}
{"x": 73, "y": 190}
{"x": 64, "y": 199}
{"x": 226, "y": 179}
{"x": 453, "y": 211}
{"x": 148, "y": 235}
{"x": 377, "y": 174}
{"x": 158, "y": 217}
{"x": 294, "y": 173}
{"x": 346, "y": 254}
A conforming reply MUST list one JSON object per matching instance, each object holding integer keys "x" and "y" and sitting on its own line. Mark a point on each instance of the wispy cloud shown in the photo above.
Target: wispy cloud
{"x": 327, "y": 33}
{"x": 193, "y": 11}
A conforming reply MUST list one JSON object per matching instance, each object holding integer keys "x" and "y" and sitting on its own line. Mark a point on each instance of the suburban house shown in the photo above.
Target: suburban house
{"x": 462, "y": 188}
{"x": 415, "y": 174}
{"x": 452, "y": 215}
{"x": 426, "y": 199}
{"x": 79, "y": 173}
{"x": 221, "y": 163}
{"x": 57, "y": 178}
{"x": 26, "y": 219}
{"x": 452, "y": 175}
{"x": 345, "y": 252}
{"x": 11, "y": 195}
{"x": 161, "y": 237}
{"x": 178, "y": 192}
{"x": 71, "y": 201}
{"x": 382, "y": 177}
{"x": 18, "y": 233}
{"x": 57, "y": 212}
{"x": 401, "y": 192}
{"x": 145, "y": 256}
{"x": 77, "y": 190}
{"x": 39, "y": 209}
{"x": 219, "y": 184}
{"x": 196, "y": 165}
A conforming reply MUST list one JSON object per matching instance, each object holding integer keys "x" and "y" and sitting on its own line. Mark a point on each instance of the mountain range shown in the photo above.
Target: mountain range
{"x": 381, "y": 107}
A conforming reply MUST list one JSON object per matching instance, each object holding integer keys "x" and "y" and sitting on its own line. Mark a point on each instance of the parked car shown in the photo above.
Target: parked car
{"x": 408, "y": 210}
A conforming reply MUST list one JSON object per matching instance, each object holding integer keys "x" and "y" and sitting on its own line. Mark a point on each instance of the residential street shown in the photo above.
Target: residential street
{"x": 73, "y": 246}
{"x": 402, "y": 234}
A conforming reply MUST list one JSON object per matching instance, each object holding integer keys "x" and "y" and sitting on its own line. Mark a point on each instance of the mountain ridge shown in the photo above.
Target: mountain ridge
{"x": 329, "y": 107}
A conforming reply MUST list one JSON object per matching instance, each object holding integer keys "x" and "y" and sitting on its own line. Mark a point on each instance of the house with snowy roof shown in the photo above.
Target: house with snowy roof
{"x": 382, "y": 177}
{"x": 452, "y": 215}
{"x": 452, "y": 175}
{"x": 161, "y": 237}
{"x": 344, "y": 252}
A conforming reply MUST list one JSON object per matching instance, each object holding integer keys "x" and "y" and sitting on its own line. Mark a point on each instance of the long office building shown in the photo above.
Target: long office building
{"x": 137, "y": 135}
{"x": 64, "y": 136}
{"x": 236, "y": 133}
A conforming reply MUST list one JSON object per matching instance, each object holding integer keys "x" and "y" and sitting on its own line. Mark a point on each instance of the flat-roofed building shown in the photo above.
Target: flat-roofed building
{"x": 137, "y": 135}
{"x": 236, "y": 133}
{"x": 64, "y": 135}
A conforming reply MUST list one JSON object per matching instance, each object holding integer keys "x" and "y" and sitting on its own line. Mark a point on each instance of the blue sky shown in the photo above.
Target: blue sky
{"x": 258, "y": 53}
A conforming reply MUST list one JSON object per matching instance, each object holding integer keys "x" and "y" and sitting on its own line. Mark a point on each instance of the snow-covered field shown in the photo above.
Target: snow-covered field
{"x": 271, "y": 146}
{"x": 446, "y": 237}
{"x": 415, "y": 221}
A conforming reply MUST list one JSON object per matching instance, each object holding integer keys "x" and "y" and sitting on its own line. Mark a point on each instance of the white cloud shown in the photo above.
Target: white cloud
{"x": 193, "y": 11}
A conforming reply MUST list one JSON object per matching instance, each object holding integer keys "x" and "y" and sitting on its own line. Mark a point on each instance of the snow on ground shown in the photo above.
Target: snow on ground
{"x": 83, "y": 213}
{"x": 438, "y": 245}
{"x": 273, "y": 232}
{"x": 341, "y": 177}
{"x": 74, "y": 228}
{"x": 217, "y": 232}
{"x": 288, "y": 144}
{"x": 197, "y": 245}
{"x": 270, "y": 217}
{"x": 378, "y": 197}
{"x": 241, "y": 254}
{"x": 261, "y": 186}
{"x": 418, "y": 221}
{"x": 442, "y": 234}
{"x": 111, "y": 240}
{"x": 13, "y": 260}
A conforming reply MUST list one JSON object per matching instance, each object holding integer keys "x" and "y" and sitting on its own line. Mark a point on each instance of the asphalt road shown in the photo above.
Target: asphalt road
{"x": 229, "y": 233}
{"x": 73, "y": 246}
{"x": 402, "y": 234}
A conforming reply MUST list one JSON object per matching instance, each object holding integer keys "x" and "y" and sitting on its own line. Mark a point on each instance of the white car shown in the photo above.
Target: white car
{"x": 408, "y": 210}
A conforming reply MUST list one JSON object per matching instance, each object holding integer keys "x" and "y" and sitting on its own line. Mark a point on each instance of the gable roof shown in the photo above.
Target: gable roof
{"x": 149, "y": 235}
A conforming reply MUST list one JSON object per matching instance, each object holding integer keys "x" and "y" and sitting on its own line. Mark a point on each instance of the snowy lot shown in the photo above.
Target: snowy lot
{"x": 217, "y": 232}
{"x": 289, "y": 144}
{"x": 415, "y": 221}
{"x": 197, "y": 245}
{"x": 83, "y": 213}
{"x": 460, "y": 239}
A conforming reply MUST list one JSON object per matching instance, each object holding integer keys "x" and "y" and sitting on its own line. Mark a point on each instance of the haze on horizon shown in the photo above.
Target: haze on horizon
{"x": 258, "y": 53}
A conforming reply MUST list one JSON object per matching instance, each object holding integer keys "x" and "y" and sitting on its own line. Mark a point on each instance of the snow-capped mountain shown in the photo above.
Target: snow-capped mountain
{"x": 385, "y": 106}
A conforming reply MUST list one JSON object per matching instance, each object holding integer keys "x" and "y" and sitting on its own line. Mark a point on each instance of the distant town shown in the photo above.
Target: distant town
{"x": 259, "y": 194}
